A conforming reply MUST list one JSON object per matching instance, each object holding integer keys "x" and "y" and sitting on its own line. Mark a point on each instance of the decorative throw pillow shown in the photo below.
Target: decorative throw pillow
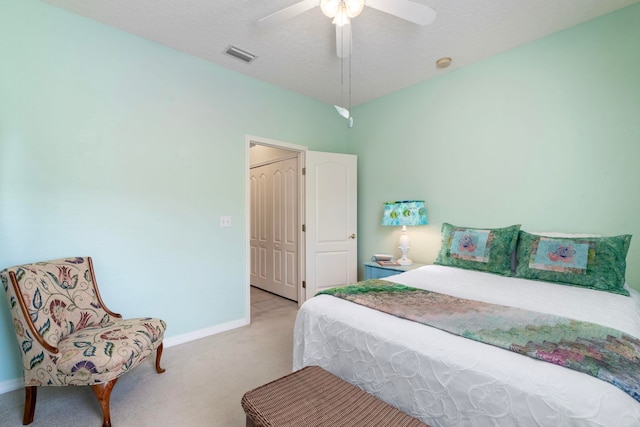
{"x": 514, "y": 258}
{"x": 484, "y": 249}
{"x": 590, "y": 262}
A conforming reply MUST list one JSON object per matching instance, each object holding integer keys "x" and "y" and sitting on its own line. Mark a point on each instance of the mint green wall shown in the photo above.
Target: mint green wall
{"x": 546, "y": 135}
{"x": 122, "y": 149}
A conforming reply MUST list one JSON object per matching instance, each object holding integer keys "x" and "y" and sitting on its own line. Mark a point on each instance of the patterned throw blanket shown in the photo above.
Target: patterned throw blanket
{"x": 596, "y": 350}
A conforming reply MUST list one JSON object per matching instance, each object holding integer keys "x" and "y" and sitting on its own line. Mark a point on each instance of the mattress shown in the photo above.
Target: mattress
{"x": 446, "y": 380}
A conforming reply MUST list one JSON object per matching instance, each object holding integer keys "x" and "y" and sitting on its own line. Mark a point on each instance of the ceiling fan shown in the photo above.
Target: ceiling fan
{"x": 343, "y": 10}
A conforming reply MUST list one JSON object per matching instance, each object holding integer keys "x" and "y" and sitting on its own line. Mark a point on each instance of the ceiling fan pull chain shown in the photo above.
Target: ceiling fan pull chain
{"x": 341, "y": 70}
{"x": 350, "y": 120}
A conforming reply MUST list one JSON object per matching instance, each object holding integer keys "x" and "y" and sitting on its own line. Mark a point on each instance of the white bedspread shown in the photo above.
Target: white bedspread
{"x": 446, "y": 380}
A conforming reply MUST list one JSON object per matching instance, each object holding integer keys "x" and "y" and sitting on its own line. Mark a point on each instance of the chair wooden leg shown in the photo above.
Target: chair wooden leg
{"x": 30, "y": 395}
{"x": 103, "y": 393}
{"x": 158, "y": 356}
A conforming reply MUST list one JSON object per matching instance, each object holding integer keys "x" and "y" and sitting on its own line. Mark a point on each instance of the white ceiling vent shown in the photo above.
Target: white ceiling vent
{"x": 240, "y": 54}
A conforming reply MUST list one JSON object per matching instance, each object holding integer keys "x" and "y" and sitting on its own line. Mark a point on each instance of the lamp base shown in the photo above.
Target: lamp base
{"x": 404, "y": 248}
{"x": 404, "y": 261}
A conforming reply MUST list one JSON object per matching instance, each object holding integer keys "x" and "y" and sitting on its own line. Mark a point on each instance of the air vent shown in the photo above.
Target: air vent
{"x": 240, "y": 54}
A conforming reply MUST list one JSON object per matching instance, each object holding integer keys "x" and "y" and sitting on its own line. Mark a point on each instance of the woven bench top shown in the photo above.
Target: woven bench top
{"x": 314, "y": 397}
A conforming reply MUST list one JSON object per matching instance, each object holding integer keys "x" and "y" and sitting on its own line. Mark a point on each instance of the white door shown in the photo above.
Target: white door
{"x": 274, "y": 228}
{"x": 331, "y": 220}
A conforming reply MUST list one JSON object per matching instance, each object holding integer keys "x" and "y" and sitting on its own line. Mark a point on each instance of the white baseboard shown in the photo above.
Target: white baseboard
{"x": 7, "y": 386}
{"x": 15, "y": 384}
{"x": 203, "y": 333}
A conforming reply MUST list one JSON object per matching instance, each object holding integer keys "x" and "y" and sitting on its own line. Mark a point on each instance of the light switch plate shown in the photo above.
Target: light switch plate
{"x": 225, "y": 221}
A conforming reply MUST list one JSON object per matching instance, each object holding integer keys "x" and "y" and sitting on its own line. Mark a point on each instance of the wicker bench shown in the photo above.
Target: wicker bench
{"x": 314, "y": 397}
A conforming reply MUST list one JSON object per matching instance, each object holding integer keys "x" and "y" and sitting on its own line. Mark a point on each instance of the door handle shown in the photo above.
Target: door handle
{"x": 353, "y": 236}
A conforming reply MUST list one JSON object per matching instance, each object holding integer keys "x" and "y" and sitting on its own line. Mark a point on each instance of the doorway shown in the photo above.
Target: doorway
{"x": 324, "y": 222}
{"x": 274, "y": 206}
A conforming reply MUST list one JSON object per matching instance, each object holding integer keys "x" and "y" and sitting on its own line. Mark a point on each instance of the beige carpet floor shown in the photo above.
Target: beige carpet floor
{"x": 202, "y": 386}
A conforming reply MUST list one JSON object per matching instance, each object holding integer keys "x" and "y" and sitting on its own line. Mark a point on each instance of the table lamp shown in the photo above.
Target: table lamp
{"x": 404, "y": 213}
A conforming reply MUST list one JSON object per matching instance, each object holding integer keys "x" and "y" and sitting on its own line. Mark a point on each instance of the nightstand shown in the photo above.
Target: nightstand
{"x": 373, "y": 270}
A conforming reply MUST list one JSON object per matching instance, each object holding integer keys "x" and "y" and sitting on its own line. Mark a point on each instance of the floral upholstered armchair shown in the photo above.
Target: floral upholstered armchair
{"x": 67, "y": 336}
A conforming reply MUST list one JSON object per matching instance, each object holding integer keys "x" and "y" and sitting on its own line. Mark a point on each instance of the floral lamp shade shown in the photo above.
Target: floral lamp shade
{"x": 404, "y": 213}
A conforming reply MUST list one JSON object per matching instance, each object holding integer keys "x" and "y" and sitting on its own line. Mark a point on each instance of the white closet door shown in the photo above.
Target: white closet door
{"x": 258, "y": 220}
{"x": 274, "y": 228}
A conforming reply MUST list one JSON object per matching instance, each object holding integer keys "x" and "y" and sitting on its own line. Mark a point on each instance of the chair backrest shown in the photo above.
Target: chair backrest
{"x": 54, "y": 298}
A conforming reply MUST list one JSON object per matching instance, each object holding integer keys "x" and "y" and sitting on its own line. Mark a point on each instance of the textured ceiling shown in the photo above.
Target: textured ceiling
{"x": 299, "y": 54}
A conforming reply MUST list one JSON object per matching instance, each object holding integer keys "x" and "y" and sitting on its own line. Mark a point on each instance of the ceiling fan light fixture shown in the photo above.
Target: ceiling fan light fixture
{"x": 329, "y": 7}
{"x": 343, "y": 8}
{"x": 342, "y": 18}
{"x": 354, "y": 7}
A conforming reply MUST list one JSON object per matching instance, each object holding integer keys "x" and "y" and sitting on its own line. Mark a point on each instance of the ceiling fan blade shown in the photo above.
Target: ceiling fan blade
{"x": 405, "y": 9}
{"x": 343, "y": 41}
{"x": 287, "y": 13}
{"x": 342, "y": 111}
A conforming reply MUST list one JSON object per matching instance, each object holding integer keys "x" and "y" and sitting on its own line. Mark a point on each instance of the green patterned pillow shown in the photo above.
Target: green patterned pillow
{"x": 589, "y": 262}
{"x": 484, "y": 249}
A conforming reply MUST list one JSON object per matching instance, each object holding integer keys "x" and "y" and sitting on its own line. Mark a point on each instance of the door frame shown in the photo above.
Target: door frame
{"x": 301, "y": 151}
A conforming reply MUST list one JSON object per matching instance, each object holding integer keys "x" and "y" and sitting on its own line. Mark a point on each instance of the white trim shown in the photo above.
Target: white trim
{"x": 301, "y": 150}
{"x": 274, "y": 143}
{"x": 15, "y": 384}
{"x": 203, "y": 333}
{"x": 247, "y": 226}
{"x": 11, "y": 385}
{"x": 268, "y": 162}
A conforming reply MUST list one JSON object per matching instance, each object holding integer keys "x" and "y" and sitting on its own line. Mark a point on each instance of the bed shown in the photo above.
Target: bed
{"x": 447, "y": 380}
